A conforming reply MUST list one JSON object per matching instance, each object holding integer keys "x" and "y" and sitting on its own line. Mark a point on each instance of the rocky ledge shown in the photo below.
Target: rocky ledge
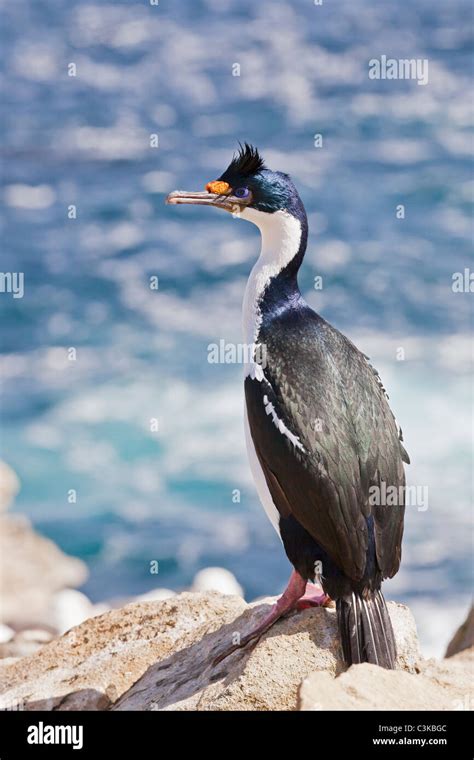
{"x": 159, "y": 655}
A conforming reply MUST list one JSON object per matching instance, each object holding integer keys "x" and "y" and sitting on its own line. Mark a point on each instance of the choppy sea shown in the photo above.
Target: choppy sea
{"x": 182, "y": 494}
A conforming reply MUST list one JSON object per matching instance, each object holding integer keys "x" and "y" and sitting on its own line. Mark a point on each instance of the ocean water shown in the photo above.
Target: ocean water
{"x": 183, "y": 494}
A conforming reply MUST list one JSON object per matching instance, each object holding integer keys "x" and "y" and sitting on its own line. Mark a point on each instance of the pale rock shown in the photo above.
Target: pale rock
{"x": 9, "y": 486}
{"x": 38, "y": 635}
{"x": 99, "y": 608}
{"x": 24, "y": 643}
{"x": 160, "y": 656}
{"x": 445, "y": 685}
{"x": 217, "y": 579}
{"x": 464, "y": 636}
{"x": 155, "y": 595}
{"x": 70, "y": 608}
{"x": 8, "y": 661}
{"x": 32, "y": 570}
{"x": 6, "y": 633}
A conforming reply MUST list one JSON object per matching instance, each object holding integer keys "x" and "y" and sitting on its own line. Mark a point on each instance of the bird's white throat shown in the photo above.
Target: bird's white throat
{"x": 281, "y": 237}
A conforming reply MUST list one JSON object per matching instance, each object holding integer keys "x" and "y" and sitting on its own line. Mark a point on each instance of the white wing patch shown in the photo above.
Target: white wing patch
{"x": 280, "y": 425}
{"x": 255, "y": 371}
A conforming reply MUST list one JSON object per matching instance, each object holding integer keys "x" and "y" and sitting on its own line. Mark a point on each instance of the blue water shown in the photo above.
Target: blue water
{"x": 142, "y": 354}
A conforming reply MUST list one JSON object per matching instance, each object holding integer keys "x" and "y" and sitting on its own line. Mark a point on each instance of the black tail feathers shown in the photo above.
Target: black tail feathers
{"x": 366, "y": 630}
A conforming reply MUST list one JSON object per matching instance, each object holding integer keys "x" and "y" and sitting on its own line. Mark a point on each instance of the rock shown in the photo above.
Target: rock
{"x": 155, "y": 595}
{"x": 9, "y": 486}
{"x": 70, "y": 608}
{"x": 464, "y": 636}
{"x": 8, "y": 661}
{"x": 6, "y": 633}
{"x": 445, "y": 685}
{"x": 159, "y": 656}
{"x": 217, "y": 579}
{"x": 25, "y": 643}
{"x": 32, "y": 570}
{"x": 35, "y": 634}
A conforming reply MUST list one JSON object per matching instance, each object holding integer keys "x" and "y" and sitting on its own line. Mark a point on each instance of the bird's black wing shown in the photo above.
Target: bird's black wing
{"x": 324, "y": 434}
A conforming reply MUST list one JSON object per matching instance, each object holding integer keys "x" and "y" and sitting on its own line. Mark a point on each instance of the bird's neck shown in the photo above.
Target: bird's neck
{"x": 273, "y": 285}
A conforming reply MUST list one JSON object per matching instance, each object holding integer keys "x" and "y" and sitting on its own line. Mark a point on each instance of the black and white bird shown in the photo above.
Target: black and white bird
{"x": 320, "y": 434}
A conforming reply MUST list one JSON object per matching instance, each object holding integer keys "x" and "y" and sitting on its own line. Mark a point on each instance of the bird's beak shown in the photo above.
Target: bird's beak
{"x": 228, "y": 202}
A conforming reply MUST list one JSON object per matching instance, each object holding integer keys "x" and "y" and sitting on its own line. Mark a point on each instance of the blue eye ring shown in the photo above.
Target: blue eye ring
{"x": 242, "y": 192}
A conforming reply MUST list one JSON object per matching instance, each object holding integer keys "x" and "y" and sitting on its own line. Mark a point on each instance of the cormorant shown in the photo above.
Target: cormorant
{"x": 320, "y": 433}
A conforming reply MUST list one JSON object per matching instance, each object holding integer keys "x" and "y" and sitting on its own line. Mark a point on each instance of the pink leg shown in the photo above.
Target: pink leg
{"x": 289, "y": 600}
{"x": 314, "y": 596}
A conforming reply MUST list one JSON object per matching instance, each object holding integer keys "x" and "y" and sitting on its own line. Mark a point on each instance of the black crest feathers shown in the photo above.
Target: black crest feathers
{"x": 247, "y": 162}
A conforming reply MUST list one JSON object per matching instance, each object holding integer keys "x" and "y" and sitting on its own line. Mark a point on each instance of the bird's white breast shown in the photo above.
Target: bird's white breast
{"x": 281, "y": 236}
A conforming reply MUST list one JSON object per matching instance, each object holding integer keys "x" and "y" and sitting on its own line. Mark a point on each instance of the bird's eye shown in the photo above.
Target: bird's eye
{"x": 242, "y": 192}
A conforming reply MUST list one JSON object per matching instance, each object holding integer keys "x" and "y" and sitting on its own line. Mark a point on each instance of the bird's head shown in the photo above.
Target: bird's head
{"x": 247, "y": 189}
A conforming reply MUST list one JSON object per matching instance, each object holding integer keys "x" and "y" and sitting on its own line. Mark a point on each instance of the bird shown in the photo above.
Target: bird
{"x": 322, "y": 441}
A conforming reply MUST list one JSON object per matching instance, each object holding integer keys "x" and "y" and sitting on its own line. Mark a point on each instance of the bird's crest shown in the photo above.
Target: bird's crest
{"x": 246, "y": 162}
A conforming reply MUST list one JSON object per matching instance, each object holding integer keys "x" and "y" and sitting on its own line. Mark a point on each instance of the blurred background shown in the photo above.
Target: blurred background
{"x": 172, "y": 495}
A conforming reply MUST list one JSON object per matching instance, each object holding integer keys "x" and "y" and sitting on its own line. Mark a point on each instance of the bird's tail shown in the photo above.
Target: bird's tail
{"x": 365, "y": 629}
